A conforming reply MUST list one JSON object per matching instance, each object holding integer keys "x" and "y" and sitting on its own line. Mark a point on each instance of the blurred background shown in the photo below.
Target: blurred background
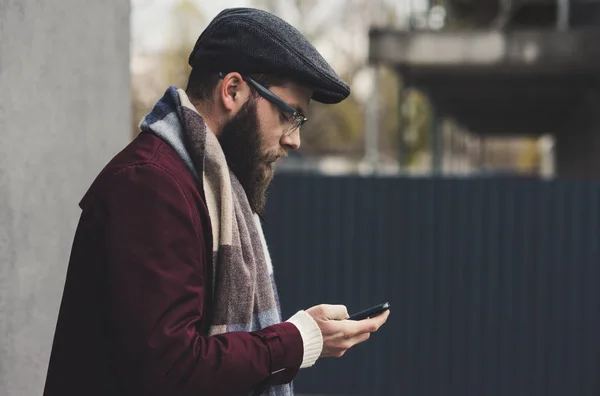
{"x": 459, "y": 181}
{"x": 400, "y": 119}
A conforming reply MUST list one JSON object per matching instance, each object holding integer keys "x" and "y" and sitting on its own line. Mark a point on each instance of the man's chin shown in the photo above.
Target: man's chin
{"x": 269, "y": 166}
{"x": 258, "y": 190}
{"x": 269, "y": 172}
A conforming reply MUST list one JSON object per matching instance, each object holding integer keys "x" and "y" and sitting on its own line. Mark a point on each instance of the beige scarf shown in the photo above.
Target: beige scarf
{"x": 245, "y": 297}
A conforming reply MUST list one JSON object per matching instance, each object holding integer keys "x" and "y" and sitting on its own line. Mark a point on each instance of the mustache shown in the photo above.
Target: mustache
{"x": 272, "y": 157}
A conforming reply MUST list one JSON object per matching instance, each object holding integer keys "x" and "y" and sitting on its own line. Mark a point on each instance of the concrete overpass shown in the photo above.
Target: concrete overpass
{"x": 525, "y": 81}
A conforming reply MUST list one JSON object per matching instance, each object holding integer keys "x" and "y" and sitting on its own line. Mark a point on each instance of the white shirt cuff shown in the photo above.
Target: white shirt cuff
{"x": 312, "y": 339}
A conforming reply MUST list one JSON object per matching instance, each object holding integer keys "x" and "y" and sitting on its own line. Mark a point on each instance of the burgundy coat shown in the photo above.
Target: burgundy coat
{"x": 137, "y": 301}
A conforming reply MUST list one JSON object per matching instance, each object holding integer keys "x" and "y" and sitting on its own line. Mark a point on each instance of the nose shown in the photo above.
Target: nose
{"x": 292, "y": 140}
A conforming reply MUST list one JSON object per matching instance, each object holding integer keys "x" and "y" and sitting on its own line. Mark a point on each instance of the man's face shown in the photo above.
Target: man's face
{"x": 258, "y": 135}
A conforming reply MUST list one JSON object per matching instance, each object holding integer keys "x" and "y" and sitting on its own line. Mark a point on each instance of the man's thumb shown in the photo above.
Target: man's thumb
{"x": 336, "y": 312}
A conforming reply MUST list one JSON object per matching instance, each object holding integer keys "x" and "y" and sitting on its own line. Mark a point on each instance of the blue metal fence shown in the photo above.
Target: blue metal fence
{"x": 494, "y": 282}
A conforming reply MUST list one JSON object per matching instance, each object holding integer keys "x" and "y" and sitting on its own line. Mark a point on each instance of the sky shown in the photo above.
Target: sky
{"x": 150, "y": 29}
{"x": 148, "y": 24}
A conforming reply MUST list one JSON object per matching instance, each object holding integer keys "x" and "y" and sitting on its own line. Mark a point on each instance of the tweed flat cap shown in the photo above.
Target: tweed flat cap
{"x": 248, "y": 40}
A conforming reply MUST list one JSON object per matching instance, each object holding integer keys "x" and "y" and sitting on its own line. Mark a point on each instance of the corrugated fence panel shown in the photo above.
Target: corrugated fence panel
{"x": 494, "y": 283}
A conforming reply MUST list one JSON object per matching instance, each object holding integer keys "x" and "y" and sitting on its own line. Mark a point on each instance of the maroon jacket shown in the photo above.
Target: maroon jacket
{"x": 137, "y": 301}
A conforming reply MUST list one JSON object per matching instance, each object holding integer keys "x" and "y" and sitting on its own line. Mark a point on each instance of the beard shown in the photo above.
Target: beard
{"x": 241, "y": 142}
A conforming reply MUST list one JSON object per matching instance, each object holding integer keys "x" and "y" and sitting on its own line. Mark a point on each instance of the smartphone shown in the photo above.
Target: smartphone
{"x": 371, "y": 312}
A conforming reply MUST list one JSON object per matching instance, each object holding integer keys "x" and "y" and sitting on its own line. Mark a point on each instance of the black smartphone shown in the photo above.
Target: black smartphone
{"x": 371, "y": 312}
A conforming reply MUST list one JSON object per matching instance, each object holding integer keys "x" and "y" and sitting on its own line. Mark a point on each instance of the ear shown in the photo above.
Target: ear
{"x": 233, "y": 92}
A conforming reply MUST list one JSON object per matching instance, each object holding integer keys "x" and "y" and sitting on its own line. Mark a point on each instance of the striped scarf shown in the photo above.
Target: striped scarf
{"x": 245, "y": 297}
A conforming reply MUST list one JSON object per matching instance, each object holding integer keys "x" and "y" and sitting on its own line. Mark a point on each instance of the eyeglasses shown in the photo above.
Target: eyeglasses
{"x": 296, "y": 118}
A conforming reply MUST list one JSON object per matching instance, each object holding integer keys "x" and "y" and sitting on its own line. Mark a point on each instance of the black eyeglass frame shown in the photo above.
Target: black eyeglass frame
{"x": 296, "y": 117}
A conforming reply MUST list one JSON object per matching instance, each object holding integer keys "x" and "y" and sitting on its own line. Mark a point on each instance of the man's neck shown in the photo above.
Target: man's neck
{"x": 206, "y": 113}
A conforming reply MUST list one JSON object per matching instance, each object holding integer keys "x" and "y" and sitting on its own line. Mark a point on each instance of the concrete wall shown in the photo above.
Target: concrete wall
{"x": 64, "y": 111}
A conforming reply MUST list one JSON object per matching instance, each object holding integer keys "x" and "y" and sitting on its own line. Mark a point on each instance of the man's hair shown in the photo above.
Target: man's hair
{"x": 201, "y": 84}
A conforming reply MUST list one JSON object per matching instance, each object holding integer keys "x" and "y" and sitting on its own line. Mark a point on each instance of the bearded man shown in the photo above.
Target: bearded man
{"x": 170, "y": 287}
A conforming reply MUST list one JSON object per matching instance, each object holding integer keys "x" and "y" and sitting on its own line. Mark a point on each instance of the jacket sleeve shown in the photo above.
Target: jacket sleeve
{"x": 156, "y": 261}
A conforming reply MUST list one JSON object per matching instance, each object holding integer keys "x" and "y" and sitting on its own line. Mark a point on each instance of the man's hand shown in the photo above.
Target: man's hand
{"x": 340, "y": 334}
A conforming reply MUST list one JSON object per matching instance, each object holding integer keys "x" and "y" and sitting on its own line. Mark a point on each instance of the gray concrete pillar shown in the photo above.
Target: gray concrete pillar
{"x": 64, "y": 111}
